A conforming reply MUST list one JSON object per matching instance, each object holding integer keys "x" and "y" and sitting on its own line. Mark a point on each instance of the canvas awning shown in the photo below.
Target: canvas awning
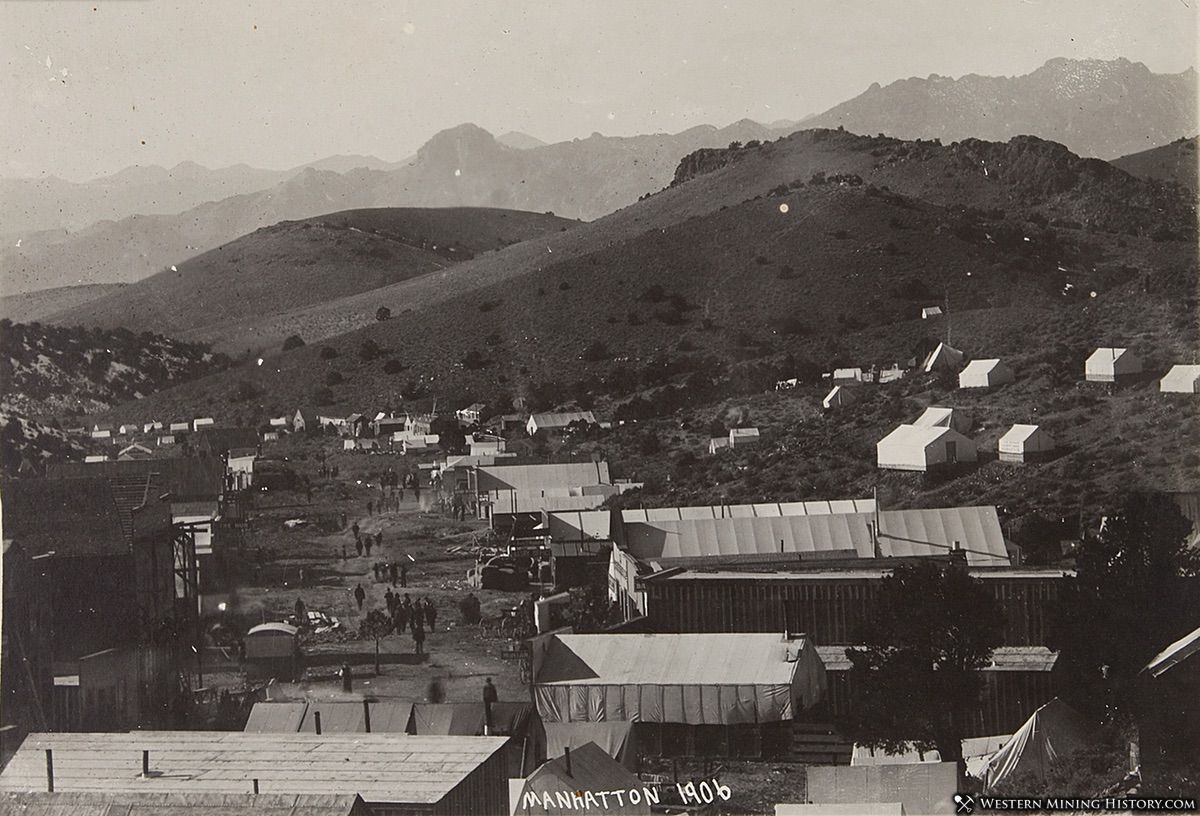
{"x": 1051, "y": 732}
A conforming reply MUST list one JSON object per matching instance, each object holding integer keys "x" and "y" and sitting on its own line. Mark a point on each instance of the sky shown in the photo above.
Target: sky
{"x": 90, "y": 88}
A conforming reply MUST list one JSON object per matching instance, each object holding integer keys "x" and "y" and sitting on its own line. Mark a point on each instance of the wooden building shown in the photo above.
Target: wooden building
{"x": 828, "y": 603}
{"x": 396, "y": 775}
{"x": 26, "y": 672}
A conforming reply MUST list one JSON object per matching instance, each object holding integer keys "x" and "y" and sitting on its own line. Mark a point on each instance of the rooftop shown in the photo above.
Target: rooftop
{"x": 381, "y": 768}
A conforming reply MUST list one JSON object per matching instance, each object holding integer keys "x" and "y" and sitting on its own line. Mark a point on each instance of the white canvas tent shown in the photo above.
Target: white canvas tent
{"x": 910, "y": 447}
{"x": 1111, "y": 364}
{"x": 1050, "y": 733}
{"x": 1023, "y": 443}
{"x": 695, "y": 679}
{"x": 1181, "y": 379}
{"x": 1174, "y": 654}
{"x": 942, "y": 358}
{"x": 985, "y": 374}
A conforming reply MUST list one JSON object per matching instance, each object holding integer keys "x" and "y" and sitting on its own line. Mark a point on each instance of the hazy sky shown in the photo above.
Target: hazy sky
{"x": 92, "y": 87}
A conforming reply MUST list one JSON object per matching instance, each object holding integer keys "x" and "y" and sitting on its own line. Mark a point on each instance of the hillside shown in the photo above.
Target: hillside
{"x": 1096, "y": 108}
{"x": 23, "y": 440}
{"x": 296, "y": 263}
{"x": 463, "y": 166}
{"x": 680, "y": 311}
{"x": 48, "y": 371}
{"x": 1177, "y": 162}
{"x": 1008, "y": 182}
{"x": 31, "y": 306}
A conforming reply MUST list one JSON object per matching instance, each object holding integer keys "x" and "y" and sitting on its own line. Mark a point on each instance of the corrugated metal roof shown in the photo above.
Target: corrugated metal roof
{"x": 186, "y": 804}
{"x": 382, "y": 768}
{"x": 541, "y": 477}
{"x": 670, "y": 659}
{"x": 808, "y": 508}
{"x": 901, "y": 533}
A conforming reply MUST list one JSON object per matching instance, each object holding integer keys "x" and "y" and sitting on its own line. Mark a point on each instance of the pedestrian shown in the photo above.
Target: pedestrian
{"x": 301, "y": 612}
{"x": 370, "y": 507}
{"x": 489, "y": 697}
{"x": 379, "y": 539}
{"x": 360, "y": 595}
{"x": 354, "y": 530}
{"x": 370, "y": 540}
{"x": 358, "y": 546}
{"x": 347, "y": 678}
{"x": 343, "y": 550}
{"x": 400, "y": 616}
{"x": 404, "y": 575}
{"x": 390, "y": 600}
{"x": 394, "y": 572}
{"x": 430, "y": 613}
{"x": 308, "y": 490}
{"x": 418, "y": 633}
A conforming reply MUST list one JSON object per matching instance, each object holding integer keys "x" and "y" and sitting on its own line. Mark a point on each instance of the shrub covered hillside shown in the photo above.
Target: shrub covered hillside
{"x": 46, "y": 370}
{"x": 26, "y": 445}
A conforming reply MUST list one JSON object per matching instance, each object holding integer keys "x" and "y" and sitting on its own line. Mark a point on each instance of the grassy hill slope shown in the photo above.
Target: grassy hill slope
{"x": 1177, "y": 161}
{"x": 29, "y": 306}
{"x": 1013, "y": 181}
{"x": 296, "y": 263}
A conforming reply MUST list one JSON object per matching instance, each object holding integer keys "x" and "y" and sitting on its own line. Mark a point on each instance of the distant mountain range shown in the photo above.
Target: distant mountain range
{"x": 32, "y": 205}
{"x": 143, "y": 220}
{"x": 1096, "y": 108}
{"x": 463, "y": 166}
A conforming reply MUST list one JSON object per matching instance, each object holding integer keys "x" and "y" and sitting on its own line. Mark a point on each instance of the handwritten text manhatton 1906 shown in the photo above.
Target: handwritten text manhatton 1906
{"x": 691, "y": 793}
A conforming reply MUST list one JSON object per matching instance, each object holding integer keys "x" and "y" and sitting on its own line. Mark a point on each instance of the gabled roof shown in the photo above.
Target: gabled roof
{"x": 917, "y": 436}
{"x": 934, "y": 417}
{"x": 943, "y": 356}
{"x": 979, "y": 368}
{"x": 902, "y": 533}
{"x": 1107, "y": 354}
{"x": 540, "y": 477}
{"x": 671, "y": 659}
{"x": 383, "y": 768}
{"x": 1019, "y": 434}
{"x": 590, "y": 769}
{"x": 1181, "y": 377}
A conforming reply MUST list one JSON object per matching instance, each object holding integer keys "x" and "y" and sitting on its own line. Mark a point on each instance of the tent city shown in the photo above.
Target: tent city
{"x": 634, "y": 407}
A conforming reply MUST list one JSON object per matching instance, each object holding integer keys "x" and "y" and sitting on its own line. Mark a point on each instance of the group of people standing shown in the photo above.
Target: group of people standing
{"x": 414, "y": 616}
{"x": 396, "y": 572}
{"x": 363, "y": 542}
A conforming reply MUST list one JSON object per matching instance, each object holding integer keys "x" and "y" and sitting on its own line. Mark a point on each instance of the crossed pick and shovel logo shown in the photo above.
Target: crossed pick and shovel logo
{"x": 964, "y": 803}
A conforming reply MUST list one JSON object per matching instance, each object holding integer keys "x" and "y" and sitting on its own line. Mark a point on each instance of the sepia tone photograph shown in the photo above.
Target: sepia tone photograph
{"x": 628, "y": 407}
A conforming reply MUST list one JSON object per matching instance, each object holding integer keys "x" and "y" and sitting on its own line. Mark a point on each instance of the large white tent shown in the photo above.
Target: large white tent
{"x": 1050, "y": 733}
{"x": 942, "y": 358}
{"x": 1111, "y": 364}
{"x": 696, "y": 679}
{"x": 984, "y": 374}
{"x": 1181, "y": 379}
{"x": 911, "y": 447}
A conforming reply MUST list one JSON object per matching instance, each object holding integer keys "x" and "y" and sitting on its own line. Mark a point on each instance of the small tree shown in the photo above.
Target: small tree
{"x": 930, "y": 630}
{"x": 328, "y": 353}
{"x": 473, "y": 360}
{"x": 383, "y": 313}
{"x": 376, "y": 626}
{"x": 393, "y": 366}
{"x": 293, "y": 342}
{"x": 369, "y": 350}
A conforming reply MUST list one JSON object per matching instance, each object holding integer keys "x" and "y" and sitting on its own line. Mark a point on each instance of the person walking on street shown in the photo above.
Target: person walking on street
{"x": 369, "y": 540}
{"x": 430, "y": 613}
{"x": 347, "y": 678}
{"x": 489, "y": 697}
{"x": 418, "y": 633}
{"x": 404, "y": 575}
{"x": 394, "y": 572}
{"x": 379, "y": 539}
{"x": 360, "y": 595}
{"x": 358, "y": 546}
{"x": 401, "y": 614}
{"x": 301, "y": 612}
{"x": 390, "y": 600}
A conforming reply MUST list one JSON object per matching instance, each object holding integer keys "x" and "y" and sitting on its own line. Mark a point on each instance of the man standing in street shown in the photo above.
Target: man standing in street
{"x": 360, "y": 595}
